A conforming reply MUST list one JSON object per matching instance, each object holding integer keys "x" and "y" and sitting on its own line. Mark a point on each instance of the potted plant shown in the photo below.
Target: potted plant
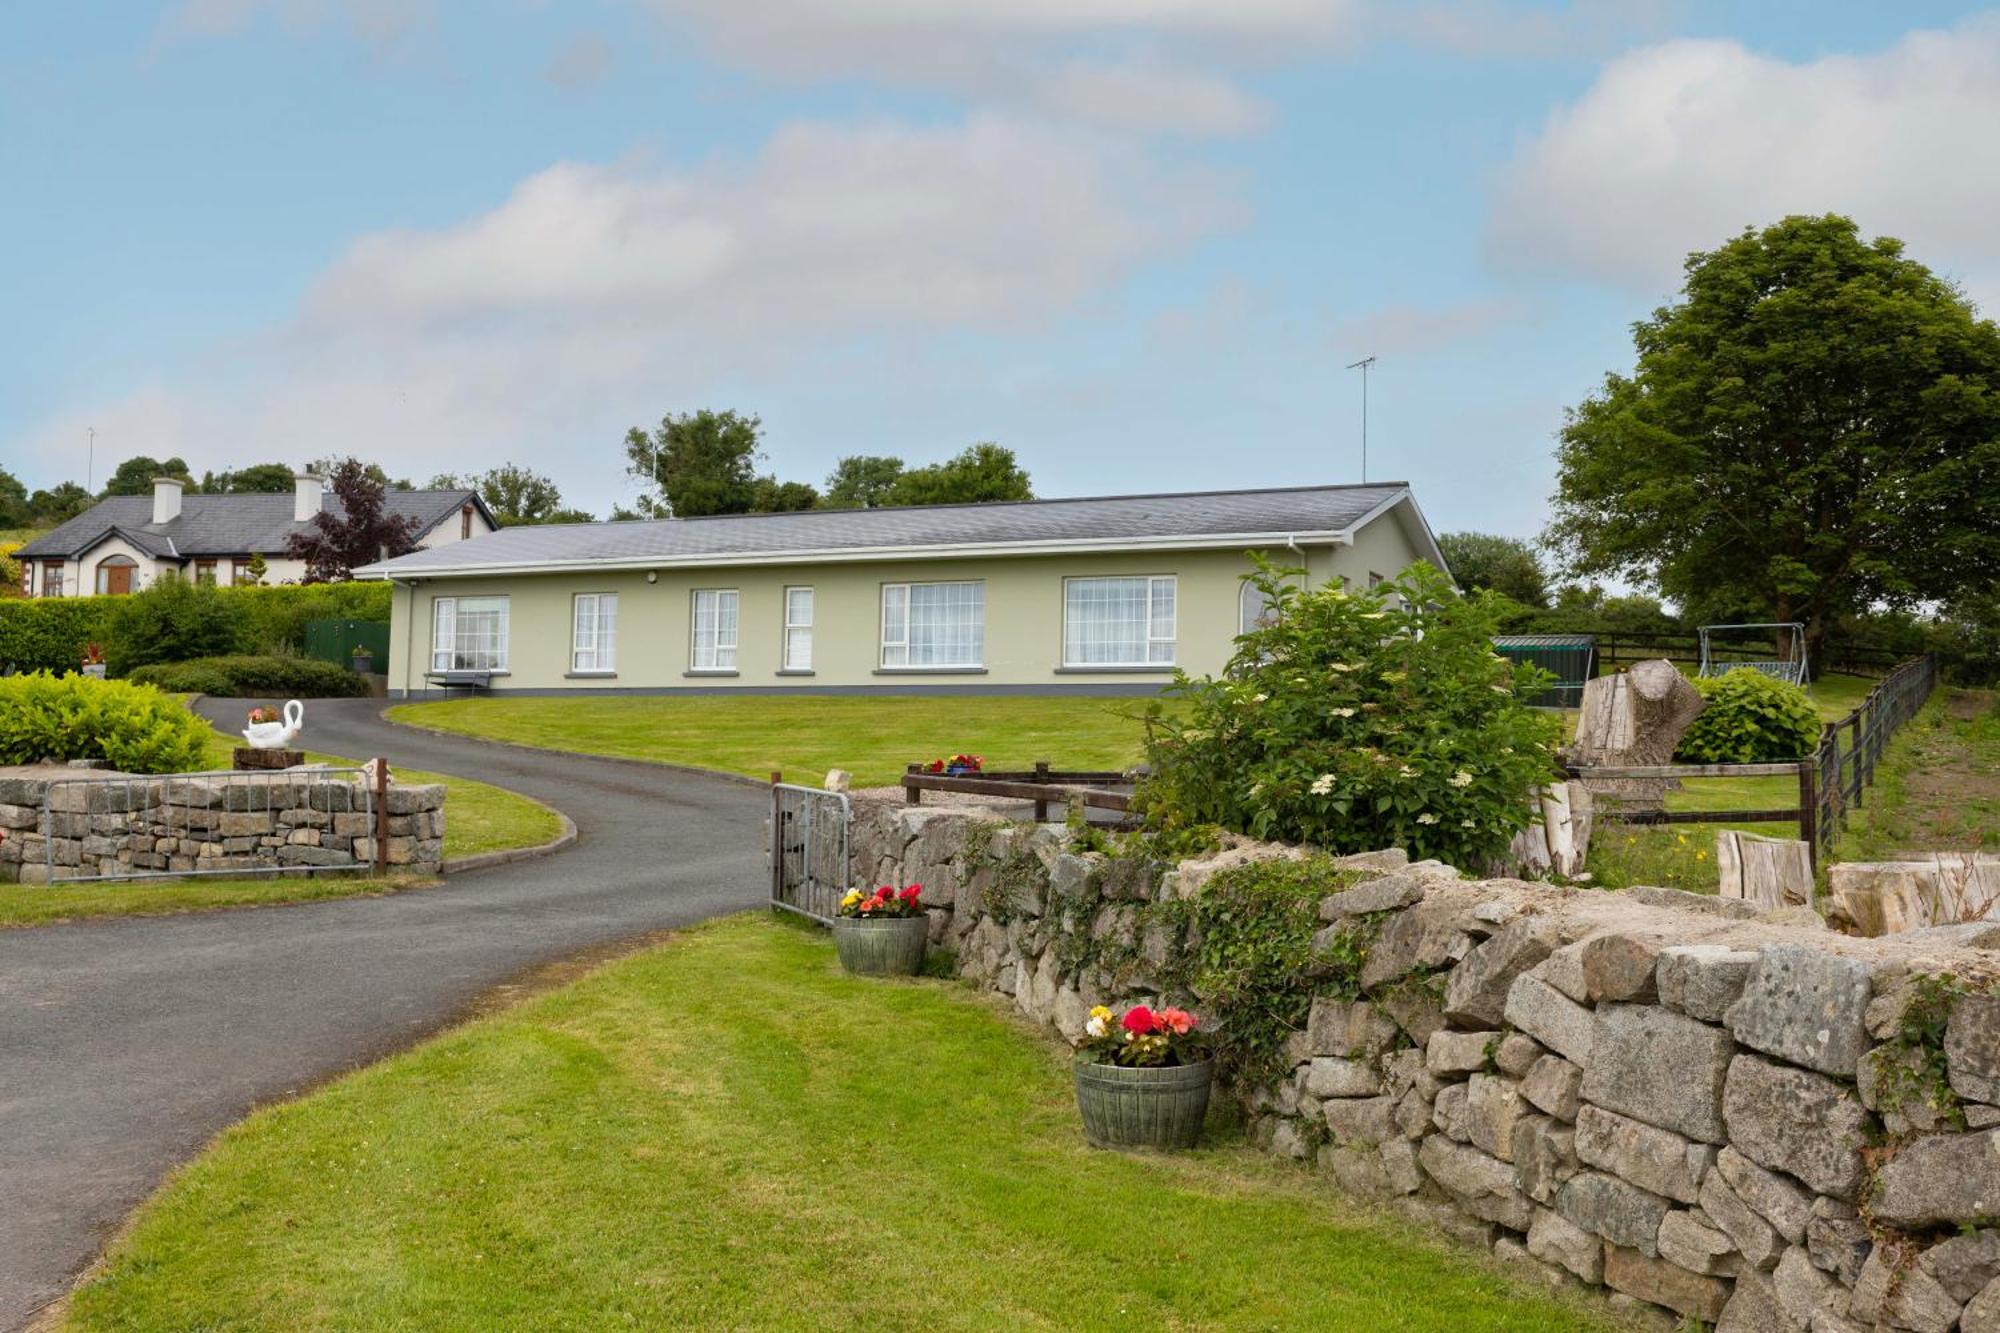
{"x": 882, "y": 934}
{"x": 956, "y": 766}
{"x": 1142, "y": 1078}
{"x": 93, "y": 660}
{"x": 363, "y": 659}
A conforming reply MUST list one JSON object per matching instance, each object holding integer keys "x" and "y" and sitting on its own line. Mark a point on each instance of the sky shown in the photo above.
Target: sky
{"x": 1136, "y": 241}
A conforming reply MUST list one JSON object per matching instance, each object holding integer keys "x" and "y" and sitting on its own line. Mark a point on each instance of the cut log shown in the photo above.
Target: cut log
{"x": 247, "y": 758}
{"x": 1770, "y": 872}
{"x": 1633, "y": 719}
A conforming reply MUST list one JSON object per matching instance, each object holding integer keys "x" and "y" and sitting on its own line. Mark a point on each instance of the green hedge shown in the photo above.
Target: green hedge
{"x": 1750, "y": 718}
{"x": 174, "y": 620}
{"x": 136, "y": 729}
{"x": 253, "y": 678}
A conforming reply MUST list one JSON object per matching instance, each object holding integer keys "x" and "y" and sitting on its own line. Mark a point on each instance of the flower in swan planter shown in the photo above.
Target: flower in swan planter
{"x": 1142, "y": 1078}
{"x": 270, "y": 730}
{"x": 882, "y": 934}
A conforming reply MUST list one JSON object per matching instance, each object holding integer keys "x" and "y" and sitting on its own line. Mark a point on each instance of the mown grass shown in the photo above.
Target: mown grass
{"x": 1938, "y": 785}
{"x": 727, "y": 1132}
{"x": 873, "y": 737}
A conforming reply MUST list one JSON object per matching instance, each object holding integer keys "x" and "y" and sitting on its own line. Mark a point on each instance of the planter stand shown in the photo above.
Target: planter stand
{"x": 248, "y": 758}
{"x": 1142, "y": 1108}
{"x": 892, "y": 947}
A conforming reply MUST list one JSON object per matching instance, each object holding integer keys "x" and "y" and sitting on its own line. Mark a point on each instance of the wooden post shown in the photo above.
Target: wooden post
{"x": 381, "y": 815}
{"x": 1041, "y": 776}
{"x": 912, "y": 794}
{"x": 1854, "y": 753}
{"x": 1809, "y": 808}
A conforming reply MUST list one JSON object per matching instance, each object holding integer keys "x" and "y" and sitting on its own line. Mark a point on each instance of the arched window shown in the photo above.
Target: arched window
{"x": 115, "y": 573}
{"x": 1253, "y": 609}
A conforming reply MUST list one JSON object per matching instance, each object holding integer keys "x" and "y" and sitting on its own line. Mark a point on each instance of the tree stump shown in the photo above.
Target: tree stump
{"x": 1770, "y": 872}
{"x": 1631, "y": 720}
{"x": 247, "y": 758}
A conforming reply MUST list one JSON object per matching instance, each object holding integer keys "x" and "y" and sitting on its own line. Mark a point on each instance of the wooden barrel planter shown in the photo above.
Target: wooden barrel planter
{"x": 890, "y": 947}
{"x": 1143, "y": 1107}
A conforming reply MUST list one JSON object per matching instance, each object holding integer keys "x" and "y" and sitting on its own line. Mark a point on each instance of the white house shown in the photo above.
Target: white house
{"x": 123, "y": 543}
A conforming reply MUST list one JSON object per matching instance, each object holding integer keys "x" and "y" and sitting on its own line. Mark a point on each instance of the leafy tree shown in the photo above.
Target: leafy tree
{"x": 360, "y": 533}
{"x": 59, "y": 503}
{"x": 14, "y": 511}
{"x": 1813, "y": 428}
{"x": 1507, "y": 565}
{"x": 255, "y": 568}
{"x": 705, "y": 462}
{"x": 257, "y": 479}
{"x": 516, "y": 495}
{"x": 863, "y": 481}
{"x": 325, "y": 467}
{"x": 985, "y": 472}
{"x": 135, "y": 475}
{"x": 170, "y": 620}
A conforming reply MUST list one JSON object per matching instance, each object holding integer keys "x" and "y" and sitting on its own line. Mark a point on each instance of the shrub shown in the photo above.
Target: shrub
{"x": 266, "y": 618}
{"x": 1751, "y": 718}
{"x": 1358, "y": 720}
{"x": 134, "y": 728}
{"x": 48, "y": 633}
{"x": 254, "y": 677}
{"x": 171, "y": 620}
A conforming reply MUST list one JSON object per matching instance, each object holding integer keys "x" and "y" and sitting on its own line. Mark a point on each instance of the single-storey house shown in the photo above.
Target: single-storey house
{"x": 1039, "y": 596}
{"x": 123, "y": 543}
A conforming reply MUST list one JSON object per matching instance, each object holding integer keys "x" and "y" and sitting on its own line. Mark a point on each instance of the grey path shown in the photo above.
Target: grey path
{"x": 126, "y": 1044}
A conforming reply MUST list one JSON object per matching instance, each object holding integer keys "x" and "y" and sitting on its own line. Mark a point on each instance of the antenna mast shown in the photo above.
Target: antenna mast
{"x": 1362, "y": 366}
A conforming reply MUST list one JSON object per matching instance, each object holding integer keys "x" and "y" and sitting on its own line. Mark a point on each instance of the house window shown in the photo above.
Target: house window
{"x": 204, "y": 572}
{"x": 714, "y": 644}
{"x": 469, "y": 634}
{"x": 798, "y": 629}
{"x": 1253, "y": 609}
{"x": 594, "y": 633}
{"x": 239, "y": 571}
{"x": 927, "y": 625}
{"x": 52, "y": 579}
{"x": 1119, "y": 622}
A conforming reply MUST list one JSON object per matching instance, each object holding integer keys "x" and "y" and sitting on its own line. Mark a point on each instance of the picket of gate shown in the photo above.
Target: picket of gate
{"x": 809, "y": 850}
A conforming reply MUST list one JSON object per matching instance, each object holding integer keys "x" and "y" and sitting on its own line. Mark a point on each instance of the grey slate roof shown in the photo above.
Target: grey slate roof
{"x": 219, "y": 525}
{"x": 1267, "y": 514}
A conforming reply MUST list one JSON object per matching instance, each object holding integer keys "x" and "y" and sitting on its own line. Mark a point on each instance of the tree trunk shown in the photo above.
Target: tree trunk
{"x": 1633, "y": 719}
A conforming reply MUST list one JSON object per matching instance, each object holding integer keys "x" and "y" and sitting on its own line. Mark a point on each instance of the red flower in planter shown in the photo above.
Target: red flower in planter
{"x": 909, "y": 895}
{"x": 1178, "y": 1021}
{"x": 1139, "y": 1020}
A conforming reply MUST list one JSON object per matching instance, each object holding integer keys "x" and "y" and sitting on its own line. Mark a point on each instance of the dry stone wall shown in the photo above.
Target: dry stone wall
{"x": 290, "y": 820}
{"x": 1745, "y": 1119}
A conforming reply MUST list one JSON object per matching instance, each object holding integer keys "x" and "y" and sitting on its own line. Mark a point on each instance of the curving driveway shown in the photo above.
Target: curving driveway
{"x": 126, "y": 1044}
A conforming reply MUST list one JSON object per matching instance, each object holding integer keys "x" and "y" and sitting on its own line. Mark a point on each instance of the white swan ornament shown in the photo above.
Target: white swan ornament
{"x": 277, "y": 735}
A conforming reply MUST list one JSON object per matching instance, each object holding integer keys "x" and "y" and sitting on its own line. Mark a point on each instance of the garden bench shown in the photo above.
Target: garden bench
{"x": 464, "y": 680}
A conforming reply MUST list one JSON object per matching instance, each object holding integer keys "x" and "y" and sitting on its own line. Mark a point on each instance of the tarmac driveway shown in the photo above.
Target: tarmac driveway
{"x": 125, "y": 1045}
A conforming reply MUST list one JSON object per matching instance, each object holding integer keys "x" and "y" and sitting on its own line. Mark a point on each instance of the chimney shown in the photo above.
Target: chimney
{"x": 307, "y": 488}
{"x": 166, "y": 499}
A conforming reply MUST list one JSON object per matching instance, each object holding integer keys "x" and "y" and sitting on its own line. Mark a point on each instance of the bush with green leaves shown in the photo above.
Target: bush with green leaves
{"x": 49, "y": 633}
{"x": 1358, "y": 720}
{"x": 134, "y": 728}
{"x": 171, "y": 620}
{"x": 1750, "y": 718}
{"x": 254, "y": 678}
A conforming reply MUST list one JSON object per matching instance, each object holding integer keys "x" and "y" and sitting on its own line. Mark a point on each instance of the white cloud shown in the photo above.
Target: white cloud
{"x": 595, "y": 296}
{"x": 1679, "y": 146}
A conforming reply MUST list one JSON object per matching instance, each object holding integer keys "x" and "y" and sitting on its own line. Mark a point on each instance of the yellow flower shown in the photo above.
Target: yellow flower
{"x": 853, "y": 897}
{"x": 1701, "y": 856}
{"x": 1099, "y": 1011}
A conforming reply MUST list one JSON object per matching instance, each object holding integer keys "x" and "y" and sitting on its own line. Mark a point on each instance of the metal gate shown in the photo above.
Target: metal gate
{"x": 809, "y": 867}
{"x": 179, "y": 825}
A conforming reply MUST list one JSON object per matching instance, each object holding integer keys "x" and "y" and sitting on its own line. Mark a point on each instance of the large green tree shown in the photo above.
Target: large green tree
{"x": 258, "y": 479}
{"x": 59, "y": 503}
{"x": 14, "y": 511}
{"x": 1507, "y": 565}
{"x": 135, "y": 475}
{"x": 984, "y": 472}
{"x": 863, "y": 481}
{"x": 705, "y": 462}
{"x": 516, "y": 495}
{"x": 1813, "y": 427}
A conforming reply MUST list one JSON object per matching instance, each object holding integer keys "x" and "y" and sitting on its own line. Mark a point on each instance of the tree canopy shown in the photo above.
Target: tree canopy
{"x": 14, "y": 510}
{"x": 983, "y": 473}
{"x": 1507, "y": 565}
{"x": 516, "y": 495}
{"x": 699, "y": 463}
{"x": 359, "y": 533}
{"x": 135, "y": 475}
{"x": 863, "y": 481}
{"x": 256, "y": 479}
{"x": 59, "y": 503}
{"x": 1812, "y": 428}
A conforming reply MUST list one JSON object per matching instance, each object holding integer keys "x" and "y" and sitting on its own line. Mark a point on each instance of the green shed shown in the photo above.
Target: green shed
{"x": 1570, "y": 658}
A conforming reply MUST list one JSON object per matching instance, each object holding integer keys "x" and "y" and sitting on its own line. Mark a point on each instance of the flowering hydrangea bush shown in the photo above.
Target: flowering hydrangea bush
{"x": 1143, "y": 1037}
{"x": 884, "y": 903}
{"x": 1353, "y": 720}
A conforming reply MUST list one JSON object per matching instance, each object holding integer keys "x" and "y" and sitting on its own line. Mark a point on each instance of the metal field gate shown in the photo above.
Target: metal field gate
{"x": 809, "y": 849}
{"x": 301, "y": 821}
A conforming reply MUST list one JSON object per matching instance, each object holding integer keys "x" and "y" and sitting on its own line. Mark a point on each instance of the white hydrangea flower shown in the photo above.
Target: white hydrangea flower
{"x": 1406, "y": 772}
{"x": 1258, "y": 698}
{"x": 1343, "y": 712}
{"x": 1323, "y": 784}
{"x": 1427, "y": 819}
{"x": 1461, "y": 779}
{"x": 1466, "y": 823}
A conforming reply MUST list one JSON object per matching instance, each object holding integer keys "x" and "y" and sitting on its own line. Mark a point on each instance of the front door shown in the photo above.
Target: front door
{"x": 117, "y": 578}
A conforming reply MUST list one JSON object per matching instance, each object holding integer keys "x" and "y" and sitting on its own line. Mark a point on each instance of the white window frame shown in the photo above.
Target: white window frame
{"x": 593, "y": 638}
{"x": 444, "y": 633}
{"x": 798, "y": 630}
{"x": 1245, "y": 622}
{"x": 1154, "y": 585}
{"x": 896, "y": 651}
{"x": 720, "y": 655}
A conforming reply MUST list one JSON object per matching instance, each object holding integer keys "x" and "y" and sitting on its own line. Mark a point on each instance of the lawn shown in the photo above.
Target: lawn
{"x": 725, "y": 1131}
{"x": 479, "y": 817}
{"x": 873, "y": 737}
{"x": 1938, "y": 785}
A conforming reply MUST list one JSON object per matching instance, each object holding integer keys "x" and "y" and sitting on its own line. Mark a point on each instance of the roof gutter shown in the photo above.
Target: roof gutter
{"x": 857, "y": 554}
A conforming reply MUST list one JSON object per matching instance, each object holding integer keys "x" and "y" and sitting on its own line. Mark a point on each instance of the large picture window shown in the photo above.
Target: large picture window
{"x": 469, "y": 634}
{"x": 1119, "y": 622}
{"x": 594, "y": 633}
{"x": 714, "y": 645}
{"x": 798, "y": 629}
{"x": 931, "y": 625}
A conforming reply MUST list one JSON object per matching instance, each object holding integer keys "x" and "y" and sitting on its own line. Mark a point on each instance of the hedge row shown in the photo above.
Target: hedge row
{"x": 176, "y": 619}
{"x": 253, "y": 678}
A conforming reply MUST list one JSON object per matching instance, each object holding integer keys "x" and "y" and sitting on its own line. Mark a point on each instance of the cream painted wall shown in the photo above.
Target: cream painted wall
{"x": 1023, "y": 626}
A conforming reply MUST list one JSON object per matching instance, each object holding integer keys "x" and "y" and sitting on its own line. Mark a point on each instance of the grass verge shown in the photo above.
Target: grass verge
{"x": 726, "y": 1132}
{"x": 873, "y": 737}
{"x": 1938, "y": 786}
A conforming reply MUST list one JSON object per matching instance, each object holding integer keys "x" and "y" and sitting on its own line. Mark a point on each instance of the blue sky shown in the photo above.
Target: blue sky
{"x": 1135, "y": 240}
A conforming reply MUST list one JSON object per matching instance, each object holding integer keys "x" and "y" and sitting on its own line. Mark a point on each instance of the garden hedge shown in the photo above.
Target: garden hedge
{"x": 48, "y": 633}
{"x": 253, "y": 678}
{"x": 134, "y": 728}
{"x": 1750, "y": 718}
